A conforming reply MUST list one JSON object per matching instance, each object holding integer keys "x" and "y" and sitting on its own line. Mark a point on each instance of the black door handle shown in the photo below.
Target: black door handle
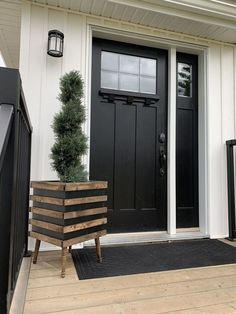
{"x": 162, "y": 161}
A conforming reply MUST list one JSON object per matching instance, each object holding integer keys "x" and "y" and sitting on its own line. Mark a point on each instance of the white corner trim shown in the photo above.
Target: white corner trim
{"x": 171, "y": 151}
{"x": 235, "y": 92}
{"x": 202, "y": 143}
{"x": 24, "y": 43}
{"x": 88, "y": 84}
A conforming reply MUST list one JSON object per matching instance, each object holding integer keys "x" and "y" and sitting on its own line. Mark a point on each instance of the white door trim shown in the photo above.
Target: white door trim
{"x": 172, "y": 46}
{"x": 171, "y": 155}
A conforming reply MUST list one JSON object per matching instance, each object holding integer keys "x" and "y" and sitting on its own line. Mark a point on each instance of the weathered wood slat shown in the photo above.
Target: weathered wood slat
{"x": 83, "y": 238}
{"x": 85, "y": 200}
{"x": 45, "y": 238}
{"x": 68, "y": 202}
{"x": 48, "y": 200}
{"x": 85, "y": 225}
{"x": 47, "y": 212}
{"x": 83, "y": 213}
{"x": 75, "y": 186}
{"x": 93, "y": 185}
{"x": 47, "y": 185}
{"x": 46, "y": 225}
{"x": 67, "y": 229}
{"x": 69, "y": 242}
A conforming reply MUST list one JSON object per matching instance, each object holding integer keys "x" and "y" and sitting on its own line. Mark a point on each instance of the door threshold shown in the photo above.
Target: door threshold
{"x": 146, "y": 237}
{"x": 181, "y": 230}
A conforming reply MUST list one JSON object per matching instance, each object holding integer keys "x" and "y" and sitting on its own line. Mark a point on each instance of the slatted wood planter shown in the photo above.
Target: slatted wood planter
{"x": 64, "y": 214}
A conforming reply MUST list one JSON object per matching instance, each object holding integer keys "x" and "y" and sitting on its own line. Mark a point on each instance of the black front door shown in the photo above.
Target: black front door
{"x": 187, "y": 141}
{"x": 128, "y": 133}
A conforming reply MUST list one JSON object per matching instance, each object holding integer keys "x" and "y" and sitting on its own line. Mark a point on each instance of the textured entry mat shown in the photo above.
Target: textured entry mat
{"x": 144, "y": 258}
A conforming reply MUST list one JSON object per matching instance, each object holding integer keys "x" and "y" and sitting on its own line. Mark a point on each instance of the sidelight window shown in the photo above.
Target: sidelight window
{"x": 128, "y": 73}
{"x": 184, "y": 80}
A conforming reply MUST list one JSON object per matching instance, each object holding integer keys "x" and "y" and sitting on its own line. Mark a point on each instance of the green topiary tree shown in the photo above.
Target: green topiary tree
{"x": 71, "y": 143}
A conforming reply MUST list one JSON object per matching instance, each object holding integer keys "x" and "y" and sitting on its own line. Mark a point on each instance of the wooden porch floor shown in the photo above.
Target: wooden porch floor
{"x": 198, "y": 290}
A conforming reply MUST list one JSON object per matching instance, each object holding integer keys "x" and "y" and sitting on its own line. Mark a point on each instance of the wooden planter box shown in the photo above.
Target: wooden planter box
{"x": 68, "y": 213}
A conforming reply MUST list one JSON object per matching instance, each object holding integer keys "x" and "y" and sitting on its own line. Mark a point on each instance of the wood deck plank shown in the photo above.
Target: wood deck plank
{"x": 142, "y": 279}
{"x": 198, "y": 290}
{"x": 51, "y": 281}
{"x": 150, "y": 305}
{"x": 225, "y": 308}
{"x": 52, "y": 271}
{"x": 129, "y": 294}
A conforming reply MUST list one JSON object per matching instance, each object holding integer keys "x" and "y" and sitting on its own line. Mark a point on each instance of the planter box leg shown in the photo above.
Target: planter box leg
{"x": 63, "y": 261}
{"x": 98, "y": 250}
{"x": 70, "y": 248}
{"x": 36, "y": 251}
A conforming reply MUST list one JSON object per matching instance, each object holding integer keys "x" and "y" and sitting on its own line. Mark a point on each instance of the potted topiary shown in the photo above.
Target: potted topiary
{"x": 73, "y": 209}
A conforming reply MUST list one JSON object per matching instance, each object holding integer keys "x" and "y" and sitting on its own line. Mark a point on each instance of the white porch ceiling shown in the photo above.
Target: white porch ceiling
{"x": 10, "y": 21}
{"x": 210, "y": 19}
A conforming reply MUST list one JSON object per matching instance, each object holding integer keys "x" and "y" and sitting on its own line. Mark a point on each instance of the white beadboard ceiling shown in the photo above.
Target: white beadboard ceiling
{"x": 10, "y": 21}
{"x": 211, "y": 19}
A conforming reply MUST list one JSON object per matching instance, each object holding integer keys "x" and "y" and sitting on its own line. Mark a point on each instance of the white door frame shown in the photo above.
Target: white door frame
{"x": 172, "y": 46}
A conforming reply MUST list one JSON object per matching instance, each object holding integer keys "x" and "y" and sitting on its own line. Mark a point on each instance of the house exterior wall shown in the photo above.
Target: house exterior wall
{"x": 221, "y": 127}
{"x": 40, "y": 76}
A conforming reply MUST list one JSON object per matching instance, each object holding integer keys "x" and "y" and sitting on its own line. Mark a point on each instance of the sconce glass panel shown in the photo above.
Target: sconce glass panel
{"x": 55, "y": 43}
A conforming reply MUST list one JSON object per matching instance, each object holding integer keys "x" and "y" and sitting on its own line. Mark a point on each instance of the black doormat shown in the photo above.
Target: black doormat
{"x": 134, "y": 259}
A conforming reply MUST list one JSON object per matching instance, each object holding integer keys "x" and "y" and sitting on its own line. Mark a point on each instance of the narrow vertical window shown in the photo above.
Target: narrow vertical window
{"x": 184, "y": 80}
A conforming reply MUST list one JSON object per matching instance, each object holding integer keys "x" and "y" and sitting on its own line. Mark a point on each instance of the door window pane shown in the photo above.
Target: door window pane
{"x": 128, "y": 73}
{"x": 109, "y": 61}
{"x": 129, "y": 64}
{"x": 109, "y": 79}
{"x": 184, "y": 80}
{"x": 148, "y": 67}
{"x": 129, "y": 82}
{"x": 148, "y": 85}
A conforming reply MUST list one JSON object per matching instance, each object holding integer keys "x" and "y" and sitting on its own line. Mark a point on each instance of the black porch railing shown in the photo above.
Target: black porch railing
{"x": 15, "y": 148}
{"x": 231, "y": 188}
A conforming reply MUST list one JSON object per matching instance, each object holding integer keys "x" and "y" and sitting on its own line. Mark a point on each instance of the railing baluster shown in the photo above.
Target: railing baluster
{"x": 231, "y": 188}
{"x": 15, "y": 148}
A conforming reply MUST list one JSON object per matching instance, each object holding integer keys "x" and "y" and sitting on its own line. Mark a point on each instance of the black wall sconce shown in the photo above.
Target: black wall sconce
{"x": 55, "y": 43}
